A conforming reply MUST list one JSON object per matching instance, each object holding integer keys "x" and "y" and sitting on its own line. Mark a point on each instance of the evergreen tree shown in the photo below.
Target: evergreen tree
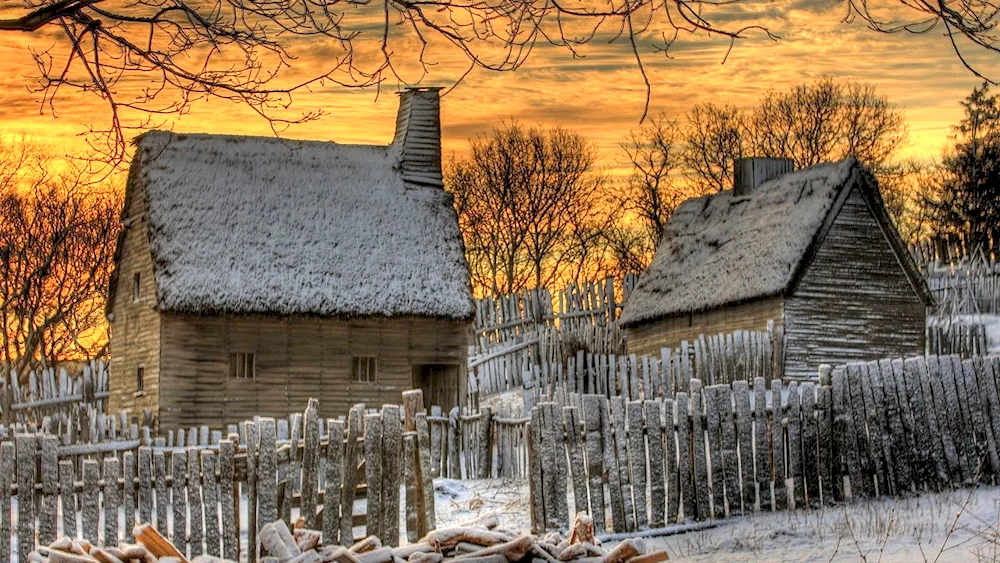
{"x": 968, "y": 199}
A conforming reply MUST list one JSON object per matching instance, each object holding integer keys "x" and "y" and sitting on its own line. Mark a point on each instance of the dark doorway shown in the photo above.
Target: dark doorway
{"x": 439, "y": 382}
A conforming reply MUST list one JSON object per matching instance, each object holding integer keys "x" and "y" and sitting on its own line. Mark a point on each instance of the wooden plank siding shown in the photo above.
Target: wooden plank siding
{"x": 649, "y": 338}
{"x": 186, "y": 357}
{"x": 295, "y": 358}
{"x": 854, "y": 301}
{"x": 135, "y": 334}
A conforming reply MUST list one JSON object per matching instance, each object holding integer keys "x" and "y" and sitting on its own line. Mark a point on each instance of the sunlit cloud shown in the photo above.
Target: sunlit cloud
{"x": 601, "y": 95}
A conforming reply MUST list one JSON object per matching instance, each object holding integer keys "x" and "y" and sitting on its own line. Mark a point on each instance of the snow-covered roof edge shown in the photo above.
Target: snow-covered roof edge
{"x": 421, "y": 198}
{"x": 664, "y": 290}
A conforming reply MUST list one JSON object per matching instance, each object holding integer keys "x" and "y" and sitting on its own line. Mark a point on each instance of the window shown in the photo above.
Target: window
{"x": 140, "y": 374}
{"x": 241, "y": 366}
{"x": 136, "y": 277}
{"x": 363, "y": 369}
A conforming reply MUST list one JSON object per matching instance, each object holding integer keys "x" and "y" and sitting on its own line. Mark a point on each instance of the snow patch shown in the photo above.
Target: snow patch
{"x": 887, "y": 530}
{"x": 723, "y": 248}
{"x": 260, "y": 225}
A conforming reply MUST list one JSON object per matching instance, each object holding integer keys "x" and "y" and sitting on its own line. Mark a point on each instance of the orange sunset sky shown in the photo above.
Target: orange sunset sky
{"x": 600, "y": 96}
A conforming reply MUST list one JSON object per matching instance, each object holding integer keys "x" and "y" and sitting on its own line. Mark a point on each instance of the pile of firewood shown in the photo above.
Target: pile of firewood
{"x": 479, "y": 541}
{"x": 150, "y": 547}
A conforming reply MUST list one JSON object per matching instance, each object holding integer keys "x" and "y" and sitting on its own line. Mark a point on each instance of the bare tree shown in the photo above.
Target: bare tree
{"x": 57, "y": 239}
{"x": 828, "y": 120}
{"x": 657, "y": 185}
{"x": 907, "y": 186}
{"x": 149, "y": 58}
{"x": 714, "y": 137}
{"x": 529, "y": 206}
{"x": 651, "y": 190}
{"x": 811, "y": 123}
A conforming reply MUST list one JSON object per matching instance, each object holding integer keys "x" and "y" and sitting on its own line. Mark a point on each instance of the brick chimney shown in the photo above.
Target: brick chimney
{"x": 418, "y": 136}
{"x": 749, "y": 173}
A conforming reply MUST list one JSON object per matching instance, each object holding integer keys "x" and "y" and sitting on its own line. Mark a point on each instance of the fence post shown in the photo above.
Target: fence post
{"x": 350, "y": 485}
{"x": 26, "y": 445}
{"x": 392, "y": 430}
{"x": 485, "y": 443}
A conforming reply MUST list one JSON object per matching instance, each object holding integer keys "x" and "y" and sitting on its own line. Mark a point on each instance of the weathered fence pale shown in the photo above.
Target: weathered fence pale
{"x": 504, "y": 318}
{"x": 719, "y": 358}
{"x": 210, "y": 491}
{"x": 964, "y": 337}
{"x": 51, "y": 396}
{"x": 891, "y": 427}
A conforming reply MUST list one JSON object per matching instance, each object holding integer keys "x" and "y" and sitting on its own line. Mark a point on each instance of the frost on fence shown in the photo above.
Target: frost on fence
{"x": 888, "y": 427}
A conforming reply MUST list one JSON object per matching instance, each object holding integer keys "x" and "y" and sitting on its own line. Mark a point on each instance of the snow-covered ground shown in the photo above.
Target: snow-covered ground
{"x": 459, "y": 501}
{"x": 956, "y": 526}
{"x": 992, "y": 323}
{"x": 921, "y": 528}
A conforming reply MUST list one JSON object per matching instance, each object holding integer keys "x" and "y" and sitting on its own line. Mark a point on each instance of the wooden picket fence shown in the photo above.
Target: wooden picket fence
{"x": 947, "y": 249}
{"x": 213, "y": 498}
{"x": 891, "y": 427}
{"x": 962, "y": 281}
{"x": 713, "y": 359}
{"x": 503, "y": 318}
{"x": 478, "y": 444}
{"x": 51, "y": 396}
{"x": 503, "y": 368}
{"x": 965, "y": 338}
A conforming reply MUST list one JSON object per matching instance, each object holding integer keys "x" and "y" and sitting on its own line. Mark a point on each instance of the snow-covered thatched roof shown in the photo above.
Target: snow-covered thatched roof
{"x": 726, "y": 249}
{"x": 260, "y": 225}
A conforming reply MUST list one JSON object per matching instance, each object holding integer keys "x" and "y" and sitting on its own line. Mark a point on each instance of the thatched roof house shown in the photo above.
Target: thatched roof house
{"x": 255, "y": 272}
{"x": 812, "y": 250}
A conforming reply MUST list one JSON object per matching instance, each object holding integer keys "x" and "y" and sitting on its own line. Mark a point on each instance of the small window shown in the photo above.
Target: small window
{"x": 241, "y": 366}
{"x": 364, "y": 369}
{"x": 136, "y": 278}
{"x": 140, "y": 376}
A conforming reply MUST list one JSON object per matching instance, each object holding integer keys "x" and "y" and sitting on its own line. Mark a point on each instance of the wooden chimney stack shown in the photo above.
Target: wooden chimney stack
{"x": 749, "y": 173}
{"x": 418, "y": 136}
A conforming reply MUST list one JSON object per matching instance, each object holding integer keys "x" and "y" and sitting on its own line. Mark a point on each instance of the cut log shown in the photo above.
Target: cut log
{"x": 463, "y": 548}
{"x": 381, "y": 555}
{"x": 157, "y": 545}
{"x": 431, "y": 557}
{"x": 492, "y": 558}
{"x": 307, "y": 557}
{"x": 542, "y": 554}
{"x": 449, "y": 537}
{"x": 623, "y": 552}
{"x": 336, "y": 554}
{"x": 63, "y": 557}
{"x": 655, "y": 557}
{"x": 514, "y": 550}
{"x": 583, "y": 529}
{"x": 278, "y": 542}
{"x": 104, "y": 556}
{"x": 307, "y": 539}
{"x": 578, "y": 550}
{"x": 62, "y": 544}
{"x": 407, "y": 550}
{"x": 371, "y": 543}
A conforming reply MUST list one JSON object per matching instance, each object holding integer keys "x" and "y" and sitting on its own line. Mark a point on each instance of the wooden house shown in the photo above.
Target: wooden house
{"x": 254, "y": 272}
{"x": 813, "y": 250}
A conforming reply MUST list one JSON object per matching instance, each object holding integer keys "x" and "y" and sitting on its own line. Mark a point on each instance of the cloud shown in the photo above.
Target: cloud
{"x": 601, "y": 95}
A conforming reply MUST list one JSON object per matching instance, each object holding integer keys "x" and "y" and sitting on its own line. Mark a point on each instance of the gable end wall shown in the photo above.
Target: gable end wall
{"x": 853, "y": 301}
{"x": 135, "y": 328}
